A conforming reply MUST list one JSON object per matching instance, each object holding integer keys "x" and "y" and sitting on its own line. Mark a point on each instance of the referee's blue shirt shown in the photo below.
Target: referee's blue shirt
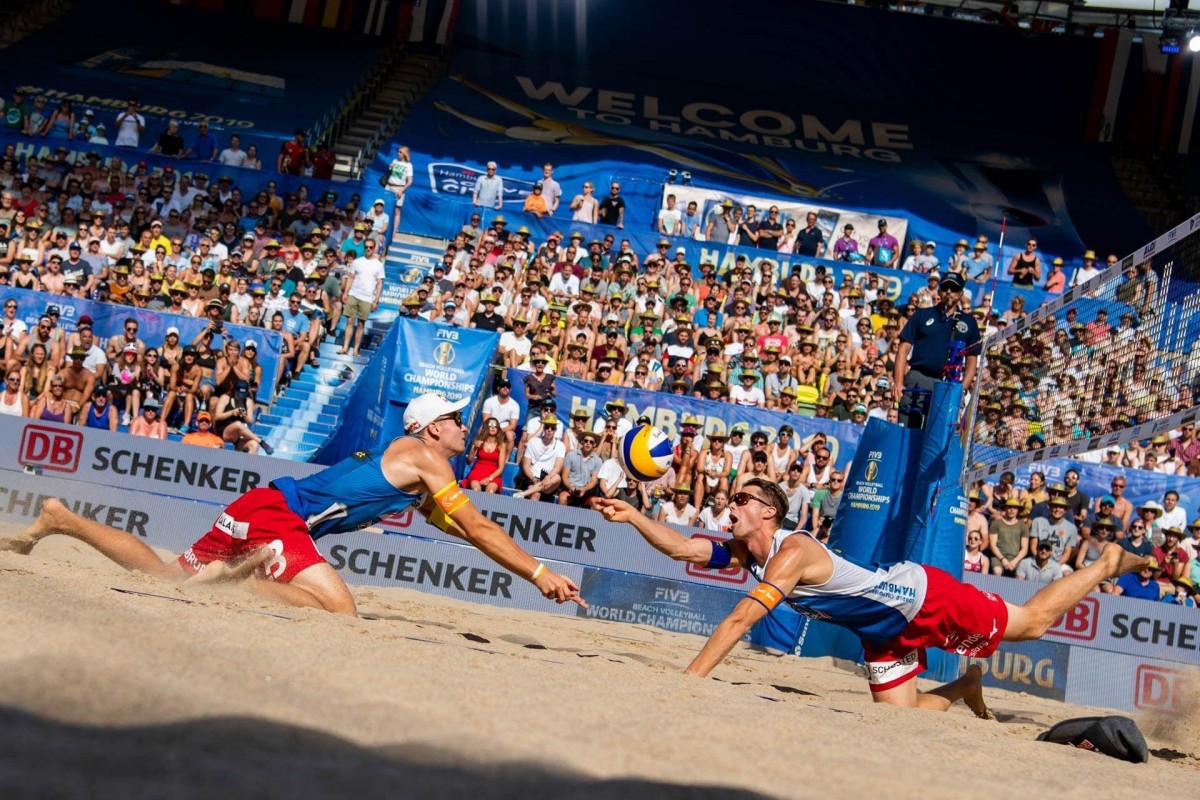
{"x": 929, "y": 331}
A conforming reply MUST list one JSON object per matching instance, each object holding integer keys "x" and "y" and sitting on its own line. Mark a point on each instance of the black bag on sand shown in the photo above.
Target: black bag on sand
{"x": 1118, "y": 737}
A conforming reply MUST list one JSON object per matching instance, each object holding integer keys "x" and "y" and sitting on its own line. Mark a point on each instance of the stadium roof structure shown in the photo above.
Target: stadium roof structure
{"x": 1077, "y": 17}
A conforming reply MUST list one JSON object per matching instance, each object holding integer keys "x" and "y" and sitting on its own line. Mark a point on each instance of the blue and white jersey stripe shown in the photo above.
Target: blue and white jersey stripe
{"x": 874, "y": 605}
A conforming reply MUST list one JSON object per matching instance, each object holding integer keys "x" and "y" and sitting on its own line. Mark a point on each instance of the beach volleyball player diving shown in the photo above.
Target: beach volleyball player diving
{"x": 268, "y": 533}
{"x": 898, "y": 612}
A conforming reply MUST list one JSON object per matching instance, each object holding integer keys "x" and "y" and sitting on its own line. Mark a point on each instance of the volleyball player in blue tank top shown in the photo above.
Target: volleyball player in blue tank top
{"x": 269, "y": 531}
{"x": 897, "y": 612}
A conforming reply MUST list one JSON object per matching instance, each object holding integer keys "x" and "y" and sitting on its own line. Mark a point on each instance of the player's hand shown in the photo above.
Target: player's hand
{"x": 614, "y": 510}
{"x": 897, "y": 391}
{"x": 559, "y": 588}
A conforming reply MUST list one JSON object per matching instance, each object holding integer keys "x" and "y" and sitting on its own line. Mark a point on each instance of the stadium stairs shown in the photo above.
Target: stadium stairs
{"x": 309, "y": 410}
{"x": 375, "y": 119}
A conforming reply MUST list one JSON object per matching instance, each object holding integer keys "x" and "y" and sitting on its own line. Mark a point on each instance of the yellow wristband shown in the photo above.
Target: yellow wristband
{"x": 537, "y": 573}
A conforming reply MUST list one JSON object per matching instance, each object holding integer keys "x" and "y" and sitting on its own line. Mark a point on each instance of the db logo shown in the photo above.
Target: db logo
{"x": 1161, "y": 688}
{"x": 53, "y": 449}
{"x": 402, "y": 520}
{"x": 1080, "y": 622}
{"x": 734, "y": 575}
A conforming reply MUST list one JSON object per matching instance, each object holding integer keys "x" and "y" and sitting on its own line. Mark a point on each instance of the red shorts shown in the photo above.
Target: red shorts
{"x": 955, "y": 617}
{"x": 258, "y": 518}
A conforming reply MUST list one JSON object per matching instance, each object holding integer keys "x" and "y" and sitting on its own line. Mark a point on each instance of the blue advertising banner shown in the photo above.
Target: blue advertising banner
{"x": 1095, "y": 480}
{"x": 878, "y": 496}
{"x": 436, "y": 214}
{"x": 431, "y": 357}
{"x": 109, "y": 320}
{"x": 646, "y": 600}
{"x": 667, "y": 412}
{"x": 1040, "y": 668}
{"x": 362, "y": 415}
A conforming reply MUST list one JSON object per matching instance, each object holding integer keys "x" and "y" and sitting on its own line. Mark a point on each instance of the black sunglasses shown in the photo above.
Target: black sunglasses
{"x": 456, "y": 416}
{"x": 744, "y": 498}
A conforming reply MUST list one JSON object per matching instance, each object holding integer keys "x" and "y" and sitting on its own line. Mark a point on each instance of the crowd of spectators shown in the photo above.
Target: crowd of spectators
{"x": 573, "y": 461}
{"x": 227, "y": 248}
{"x": 40, "y": 117}
{"x": 820, "y": 347}
{"x": 1042, "y": 532}
{"x": 823, "y": 348}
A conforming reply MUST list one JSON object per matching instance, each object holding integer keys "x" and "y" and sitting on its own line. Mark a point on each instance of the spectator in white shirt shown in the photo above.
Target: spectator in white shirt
{"x": 502, "y": 408}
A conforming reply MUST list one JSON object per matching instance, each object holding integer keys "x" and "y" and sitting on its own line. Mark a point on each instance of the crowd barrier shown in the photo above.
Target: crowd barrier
{"x": 108, "y": 320}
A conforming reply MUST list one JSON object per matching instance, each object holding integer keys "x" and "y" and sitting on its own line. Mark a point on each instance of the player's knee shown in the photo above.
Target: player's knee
{"x": 340, "y": 604}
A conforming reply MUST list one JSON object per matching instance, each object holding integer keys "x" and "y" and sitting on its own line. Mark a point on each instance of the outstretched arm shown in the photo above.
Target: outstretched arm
{"x": 781, "y": 576}
{"x": 665, "y": 540}
{"x": 451, "y": 508}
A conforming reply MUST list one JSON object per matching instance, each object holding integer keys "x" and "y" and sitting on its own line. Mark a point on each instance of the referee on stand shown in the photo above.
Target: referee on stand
{"x": 937, "y": 343}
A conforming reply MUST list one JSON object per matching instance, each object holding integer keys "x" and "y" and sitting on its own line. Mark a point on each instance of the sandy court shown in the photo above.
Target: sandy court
{"x": 171, "y": 694}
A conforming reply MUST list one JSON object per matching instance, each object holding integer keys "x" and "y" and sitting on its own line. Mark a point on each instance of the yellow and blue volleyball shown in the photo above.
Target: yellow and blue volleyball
{"x": 645, "y": 453}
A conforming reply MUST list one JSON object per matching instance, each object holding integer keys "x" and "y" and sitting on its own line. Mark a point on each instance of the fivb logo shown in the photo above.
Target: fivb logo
{"x": 734, "y": 575}
{"x": 1163, "y": 689}
{"x": 51, "y": 449}
{"x": 1080, "y": 623}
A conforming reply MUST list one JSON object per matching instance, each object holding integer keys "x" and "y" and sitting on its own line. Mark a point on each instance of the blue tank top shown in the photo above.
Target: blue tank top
{"x": 96, "y": 421}
{"x": 349, "y": 495}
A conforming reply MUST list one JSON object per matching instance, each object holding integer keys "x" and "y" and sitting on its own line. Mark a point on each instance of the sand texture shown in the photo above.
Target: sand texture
{"x": 118, "y": 685}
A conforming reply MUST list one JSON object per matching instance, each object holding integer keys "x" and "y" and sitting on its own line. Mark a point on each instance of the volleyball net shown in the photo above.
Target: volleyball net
{"x": 1108, "y": 362}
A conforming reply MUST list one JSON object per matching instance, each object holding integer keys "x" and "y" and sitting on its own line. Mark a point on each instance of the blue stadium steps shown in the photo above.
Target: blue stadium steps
{"x": 308, "y": 412}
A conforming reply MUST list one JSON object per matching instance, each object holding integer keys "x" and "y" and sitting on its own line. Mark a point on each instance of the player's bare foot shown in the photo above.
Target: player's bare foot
{"x": 17, "y": 544}
{"x": 54, "y": 518}
{"x": 1123, "y": 561}
{"x": 973, "y": 696}
{"x": 232, "y": 572}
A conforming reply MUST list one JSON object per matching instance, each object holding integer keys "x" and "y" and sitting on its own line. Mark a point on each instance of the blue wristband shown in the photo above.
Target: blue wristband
{"x": 720, "y": 557}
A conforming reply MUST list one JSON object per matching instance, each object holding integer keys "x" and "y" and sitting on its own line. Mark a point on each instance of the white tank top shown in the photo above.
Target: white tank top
{"x": 12, "y": 409}
{"x": 875, "y": 604}
{"x": 677, "y": 517}
{"x": 816, "y": 478}
{"x": 782, "y": 461}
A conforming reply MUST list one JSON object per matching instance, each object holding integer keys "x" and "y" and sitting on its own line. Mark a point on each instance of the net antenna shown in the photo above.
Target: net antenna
{"x": 1108, "y": 362}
